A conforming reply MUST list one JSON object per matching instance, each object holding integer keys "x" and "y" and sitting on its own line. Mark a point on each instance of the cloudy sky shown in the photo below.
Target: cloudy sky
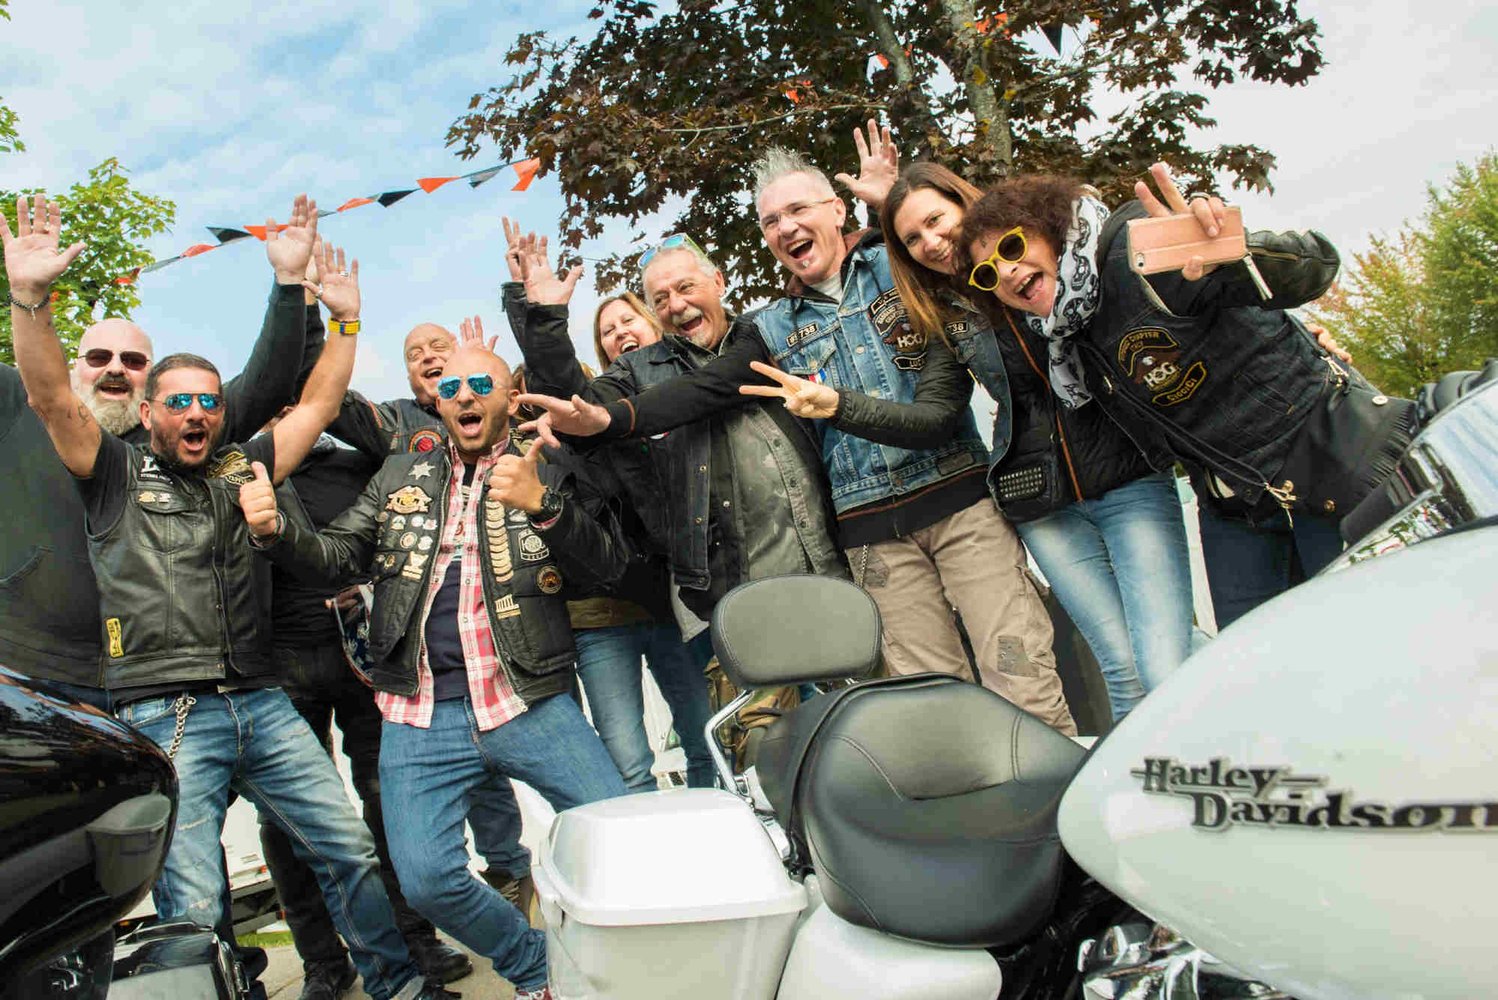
{"x": 231, "y": 108}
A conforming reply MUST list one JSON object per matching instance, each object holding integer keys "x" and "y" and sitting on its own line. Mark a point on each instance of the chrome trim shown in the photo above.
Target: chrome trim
{"x": 1143, "y": 962}
{"x": 726, "y": 776}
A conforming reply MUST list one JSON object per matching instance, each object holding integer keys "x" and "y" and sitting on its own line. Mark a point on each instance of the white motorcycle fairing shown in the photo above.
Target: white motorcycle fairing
{"x": 1313, "y": 797}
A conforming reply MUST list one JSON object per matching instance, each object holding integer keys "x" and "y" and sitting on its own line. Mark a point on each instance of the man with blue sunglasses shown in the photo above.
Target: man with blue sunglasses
{"x": 473, "y": 549}
{"x": 183, "y": 600}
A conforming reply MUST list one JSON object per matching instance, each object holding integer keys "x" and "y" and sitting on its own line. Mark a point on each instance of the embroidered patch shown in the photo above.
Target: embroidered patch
{"x": 549, "y": 580}
{"x": 232, "y": 466}
{"x": 398, "y": 523}
{"x": 150, "y": 470}
{"x": 801, "y": 333}
{"x": 424, "y": 543}
{"x": 957, "y": 328}
{"x": 415, "y": 562}
{"x": 1185, "y": 388}
{"x": 148, "y": 498}
{"x": 425, "y": 439}
{"x": 532, "y": 548}
{"x": 116, "y": 642}
{"x": 910, "y": 362}
{"x": 1137, "y": 342}
{"x": 893, "y": 324}
{"x": 408, "y": 540}
{"x": 408, "y": 500}
{"x": 421, "y": 470}
{"x": 505, "y": 607}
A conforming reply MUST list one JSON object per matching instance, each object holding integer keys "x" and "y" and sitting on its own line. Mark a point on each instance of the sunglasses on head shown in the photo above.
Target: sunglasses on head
{"x": 1010, "y": 250}
{"x": 178, "y": 402}
{"x": 101, "y": 356}
{"x": 673, "y": 242}
{"x": 480, "y": 384}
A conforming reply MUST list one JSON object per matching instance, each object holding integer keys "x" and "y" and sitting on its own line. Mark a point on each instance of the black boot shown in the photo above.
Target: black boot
{"x": 324, "y": 981}
{"x": 438, "y": 960}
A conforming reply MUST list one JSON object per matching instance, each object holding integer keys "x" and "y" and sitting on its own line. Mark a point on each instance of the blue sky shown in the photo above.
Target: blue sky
{"x": 232, "y": 108}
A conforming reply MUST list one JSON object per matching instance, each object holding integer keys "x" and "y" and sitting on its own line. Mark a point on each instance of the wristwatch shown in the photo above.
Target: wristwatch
{"x": 551, "y": 507}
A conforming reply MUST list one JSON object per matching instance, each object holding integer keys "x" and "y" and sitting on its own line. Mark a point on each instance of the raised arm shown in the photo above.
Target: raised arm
{"x": 878, "y": 168}
{"x": 536, "y": 303}
{"x": 33, "y": 261}
{"x": 269, "y": 379}
{"x": 323, "y": 395}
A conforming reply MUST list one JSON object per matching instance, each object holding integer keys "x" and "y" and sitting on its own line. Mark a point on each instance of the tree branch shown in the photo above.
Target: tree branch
{"x": 773, "y": 118}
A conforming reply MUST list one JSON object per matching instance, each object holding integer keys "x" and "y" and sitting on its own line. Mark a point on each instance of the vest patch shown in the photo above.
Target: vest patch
{"x": 549, "y": 580}
{"x": 116, "y": 634}
{"x": 500, "y": 562}
{"x": 505, "y": 607}
{"x": 957, "y": 328}
{"x": 801, "y": 333}
{"x": 893, "y": 325}
{"x": 1184, "y": 387}
{"x": 150, "y": 470}
{"x": 910, "y": 362}
{"x": 233, "y": 467}
{"x": 425, "y": 439}
{"x": 1134, "y": 345}
{"x": 532, "y": 548}
{"x": 408, "y": 500}
{"x": 415, "y": 563}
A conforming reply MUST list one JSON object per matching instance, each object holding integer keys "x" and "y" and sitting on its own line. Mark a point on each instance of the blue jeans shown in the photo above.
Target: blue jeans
{"x": 1120, "y": 567}
{"x": 1247, "y": 564}
{"x": 256, "y": 742}
{"x": 429, "y": 772}
{"x": 608, "y": 664}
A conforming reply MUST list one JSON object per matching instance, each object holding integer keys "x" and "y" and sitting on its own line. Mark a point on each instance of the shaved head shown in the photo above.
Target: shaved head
{"x": 111, "y": 388}
{"x": 476, "y": 423}
{"x": 427, "y": 348}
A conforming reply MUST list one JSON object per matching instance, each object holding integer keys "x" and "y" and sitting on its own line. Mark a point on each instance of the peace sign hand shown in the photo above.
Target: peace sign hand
{"x": 512, "y": 247}
{"x": 515, "y": 482}
{"x": 32, "y": 258}
{"x": 803, "y": 397}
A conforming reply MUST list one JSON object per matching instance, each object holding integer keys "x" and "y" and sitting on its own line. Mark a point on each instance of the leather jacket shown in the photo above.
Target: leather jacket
{"x": 391, "y": 532}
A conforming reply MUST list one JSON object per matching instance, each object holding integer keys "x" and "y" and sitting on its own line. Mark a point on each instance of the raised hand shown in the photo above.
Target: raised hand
{"x": 512, "y": 247}
{"x": 32, "y": 258}
{"x": 1209, "y": 211}
{"x": 878, "y": 166}
{"x": 289, "y": 249}
{"x": 257, "y": 498}
{"x": 575, "y": 416}
{"x": 339, "y": 286}
{"x": 471, "y": 334}
{"x": 542, "y": 286}
{"x": 515, "y": 481}
{"x": 803, "y": 397}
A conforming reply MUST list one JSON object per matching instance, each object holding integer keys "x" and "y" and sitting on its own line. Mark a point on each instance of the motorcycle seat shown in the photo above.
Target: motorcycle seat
{"x": 926, "y": 805}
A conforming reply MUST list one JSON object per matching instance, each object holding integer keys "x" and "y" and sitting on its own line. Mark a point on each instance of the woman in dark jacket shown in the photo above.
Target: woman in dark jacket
{"x": 1105, "y": 529}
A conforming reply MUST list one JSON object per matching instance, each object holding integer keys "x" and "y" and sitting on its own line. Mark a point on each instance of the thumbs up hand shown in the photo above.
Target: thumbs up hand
{"x": 515, "y": 482}
{"x": 257, "y": 498}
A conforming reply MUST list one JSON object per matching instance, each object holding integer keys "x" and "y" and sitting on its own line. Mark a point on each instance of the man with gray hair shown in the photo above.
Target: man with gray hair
{"x": 918, "y": 527}
{"x": 742, "y": 491}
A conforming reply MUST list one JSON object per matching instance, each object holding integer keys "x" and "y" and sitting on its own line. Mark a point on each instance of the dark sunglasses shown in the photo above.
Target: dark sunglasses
{"x": 480, "y": 384}
{"x": 1011, "y": 250}
{"x": 673, "y": 242}
{"x": 178, "y": 402}
{"x": 133, "y": 360}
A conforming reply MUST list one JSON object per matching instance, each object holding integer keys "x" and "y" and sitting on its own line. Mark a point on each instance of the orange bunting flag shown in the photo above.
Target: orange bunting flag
{"x": 354, "y": 203}
{"x": 883, "y": 59}
{"x": 256, "y": 231}
{"x": 128, "y": 279}
{"x": 525, "y": 170}
{"x": 198, "y": 248}
{"x": 430, "y": 184}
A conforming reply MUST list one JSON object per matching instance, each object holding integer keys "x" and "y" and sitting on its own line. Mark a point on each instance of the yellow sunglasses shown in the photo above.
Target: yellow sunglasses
{"x": 1010, "y": 250}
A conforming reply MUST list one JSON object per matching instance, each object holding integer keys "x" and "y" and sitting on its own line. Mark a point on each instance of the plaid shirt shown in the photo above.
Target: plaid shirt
{"x": 494, "y": 701}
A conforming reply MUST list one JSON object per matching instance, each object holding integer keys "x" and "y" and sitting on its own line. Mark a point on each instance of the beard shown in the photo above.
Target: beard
{"x": 117, "y": 416}
{"x": 164, "y": 446}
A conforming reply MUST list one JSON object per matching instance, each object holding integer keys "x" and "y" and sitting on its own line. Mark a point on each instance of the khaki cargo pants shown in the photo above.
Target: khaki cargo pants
{"x": 972, "y": 561}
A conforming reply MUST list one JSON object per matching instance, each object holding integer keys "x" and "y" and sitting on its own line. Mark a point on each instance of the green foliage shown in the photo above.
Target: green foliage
{"x": 1425, "y": 303}
{"x": 658, "y": 107}
{"x": 10, "y": 136}
{"x": 114, "y": 219}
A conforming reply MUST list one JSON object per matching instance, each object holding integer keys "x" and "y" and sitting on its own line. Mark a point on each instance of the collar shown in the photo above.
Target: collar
{"x": 488, "y": 458}
{"x": 856, "y": 240}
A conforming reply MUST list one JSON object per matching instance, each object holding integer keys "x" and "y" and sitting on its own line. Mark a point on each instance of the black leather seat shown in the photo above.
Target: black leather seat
{"x": 927, "y": 806}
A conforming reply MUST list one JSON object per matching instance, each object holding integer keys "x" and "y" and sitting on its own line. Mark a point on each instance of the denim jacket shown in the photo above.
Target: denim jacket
{"x": 975, "y": 345}
{"x": 864, "y": 343}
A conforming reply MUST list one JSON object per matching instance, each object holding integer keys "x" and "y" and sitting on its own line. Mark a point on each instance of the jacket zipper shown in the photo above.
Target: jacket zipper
{"x": 1071, "y": 469}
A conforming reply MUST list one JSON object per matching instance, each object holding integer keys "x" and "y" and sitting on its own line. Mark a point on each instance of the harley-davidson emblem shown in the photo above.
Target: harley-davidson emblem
{"x": 1223, "y": 795}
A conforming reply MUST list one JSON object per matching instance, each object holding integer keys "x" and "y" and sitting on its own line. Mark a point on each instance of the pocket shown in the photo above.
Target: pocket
{"x": 167, "y": 518}
{"x": 57, "y": 592}
{"x": 145, "y": 712}
{"x": 816, "y": 359}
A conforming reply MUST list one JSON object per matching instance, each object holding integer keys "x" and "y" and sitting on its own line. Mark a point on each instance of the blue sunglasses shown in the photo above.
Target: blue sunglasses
{"x": 177, "y": 402}
{"x": 673, "y": 242}
{"x": 481, "y": 384}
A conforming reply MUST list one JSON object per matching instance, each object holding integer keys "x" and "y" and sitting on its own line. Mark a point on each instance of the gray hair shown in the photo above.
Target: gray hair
{"x": 778, "y": 162}
{"x": 704, "y": 262}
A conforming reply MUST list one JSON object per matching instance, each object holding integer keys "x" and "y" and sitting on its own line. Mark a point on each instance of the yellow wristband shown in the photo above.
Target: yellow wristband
{"x": 347, "y": 329}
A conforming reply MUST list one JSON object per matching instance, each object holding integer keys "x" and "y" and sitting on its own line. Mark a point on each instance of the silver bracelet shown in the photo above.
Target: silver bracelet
{"x": 21, "y": 305}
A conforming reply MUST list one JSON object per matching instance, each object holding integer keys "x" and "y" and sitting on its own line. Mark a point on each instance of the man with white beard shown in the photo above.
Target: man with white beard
{"x": 110, "y": 373}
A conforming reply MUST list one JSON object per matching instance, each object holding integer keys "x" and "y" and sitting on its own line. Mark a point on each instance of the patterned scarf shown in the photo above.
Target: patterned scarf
{"x": 1078, "y": 288}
